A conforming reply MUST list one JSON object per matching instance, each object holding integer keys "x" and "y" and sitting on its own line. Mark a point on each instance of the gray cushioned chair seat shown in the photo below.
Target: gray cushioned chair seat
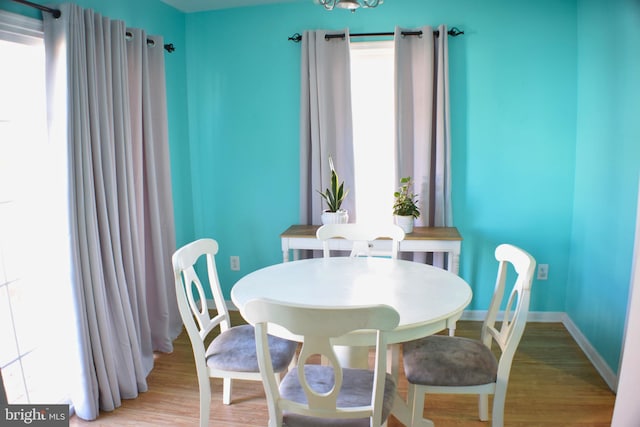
{"x": 235, "y": 350}
{"x": 448, "y": 361}
{"x": 356, "y": 391}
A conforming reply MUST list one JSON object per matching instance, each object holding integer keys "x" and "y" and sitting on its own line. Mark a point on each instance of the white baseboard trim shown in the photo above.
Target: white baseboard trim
{"x": 561, "y": 317}
{"x": 548, "y": 317}
{"x": 596, "y": 360}
{"x": 534, "y": 316}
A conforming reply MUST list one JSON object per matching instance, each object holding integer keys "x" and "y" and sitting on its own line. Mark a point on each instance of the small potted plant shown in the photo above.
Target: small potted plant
{"x": 405, "y": 206}
{"x": 334, "y": 196}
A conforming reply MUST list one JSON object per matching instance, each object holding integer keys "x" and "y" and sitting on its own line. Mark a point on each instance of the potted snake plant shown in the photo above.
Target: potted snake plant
{"x": 405, "y": 206}
{"x": 334, "y": 196}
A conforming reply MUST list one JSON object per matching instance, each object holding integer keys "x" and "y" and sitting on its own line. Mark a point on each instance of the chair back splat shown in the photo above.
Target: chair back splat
{"x": 340, "y": 396}
{"x": 365, "y": 238}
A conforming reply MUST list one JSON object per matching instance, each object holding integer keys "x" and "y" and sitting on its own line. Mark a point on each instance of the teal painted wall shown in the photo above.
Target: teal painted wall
{"x": 513, "y": 124}
{"x": 607, "y": 166}
{"x": 544, "y": 127}
{"x": 159, "y": 19}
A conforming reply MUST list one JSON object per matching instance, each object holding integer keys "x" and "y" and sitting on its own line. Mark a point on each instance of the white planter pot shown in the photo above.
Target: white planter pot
{"x": 339, "y": 217}
{"x": 404, "y": 222}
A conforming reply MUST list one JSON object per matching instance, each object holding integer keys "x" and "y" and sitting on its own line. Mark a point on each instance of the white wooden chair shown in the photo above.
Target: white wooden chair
{"x": 231, "y": 354}
{"x": 456, "y": 365}
{"x": 362, "y": 236}
{"x": 324, "y": 395}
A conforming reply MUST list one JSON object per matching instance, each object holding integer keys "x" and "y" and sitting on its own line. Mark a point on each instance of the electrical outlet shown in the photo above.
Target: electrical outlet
{"x": 543, "y": 271}
{"x": 235, "y": 263}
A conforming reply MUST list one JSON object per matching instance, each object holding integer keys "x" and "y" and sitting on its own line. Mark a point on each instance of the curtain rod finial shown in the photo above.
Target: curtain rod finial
{"x": 297, "y": 37}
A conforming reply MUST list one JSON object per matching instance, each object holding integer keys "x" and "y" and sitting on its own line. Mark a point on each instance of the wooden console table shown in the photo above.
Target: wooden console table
{"x": 423, "y": 239}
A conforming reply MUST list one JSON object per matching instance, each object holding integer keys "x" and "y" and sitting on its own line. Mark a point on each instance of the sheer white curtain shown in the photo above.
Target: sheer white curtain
{"x": 423, "y": 138}
{"x": 325, "y": 122}
{"x": 107, "y": 103}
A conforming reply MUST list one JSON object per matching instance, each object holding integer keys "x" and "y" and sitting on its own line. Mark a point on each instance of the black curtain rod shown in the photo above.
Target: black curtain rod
{"x": 453, "y": 32}
{"x": 55, "y": 12}
{"x": 169, "y": 47}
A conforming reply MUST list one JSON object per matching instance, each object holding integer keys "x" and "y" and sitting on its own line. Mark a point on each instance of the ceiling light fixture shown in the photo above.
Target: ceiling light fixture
{"x": 351, "y": 5}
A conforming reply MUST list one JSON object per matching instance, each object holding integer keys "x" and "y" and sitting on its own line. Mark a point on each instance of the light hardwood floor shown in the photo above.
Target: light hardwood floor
{"x": 552, "y": 384}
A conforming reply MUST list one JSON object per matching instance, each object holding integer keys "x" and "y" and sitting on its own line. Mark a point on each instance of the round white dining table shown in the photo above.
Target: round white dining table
{"x": 428, "y": 299}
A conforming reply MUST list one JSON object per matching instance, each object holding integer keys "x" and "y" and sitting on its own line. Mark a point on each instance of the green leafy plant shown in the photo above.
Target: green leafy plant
{"x": 406, "y": 203}
{"x": 336, "y": 193}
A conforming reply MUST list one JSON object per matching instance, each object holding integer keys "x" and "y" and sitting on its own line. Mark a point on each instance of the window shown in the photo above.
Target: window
{"x": 34, "y": 241}
{"x": 372, "y": 97}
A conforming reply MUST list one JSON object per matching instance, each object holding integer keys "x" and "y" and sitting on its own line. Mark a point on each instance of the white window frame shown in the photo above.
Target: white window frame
{"x": 20, "y": 29}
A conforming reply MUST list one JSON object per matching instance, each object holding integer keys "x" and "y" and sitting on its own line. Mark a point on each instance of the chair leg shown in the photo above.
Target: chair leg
{"x": 498, "y": 407}
{"x": 415, "y": 398}
{"x": 279, "y": 378}
{"x": 411, "y": 396}
{"x": 393, "y": 361}
{"x": 204, "y": 385}
{"x": 483, "y": 407}
{"x": 293, "y": 363}
{"x": 226, "y": 391}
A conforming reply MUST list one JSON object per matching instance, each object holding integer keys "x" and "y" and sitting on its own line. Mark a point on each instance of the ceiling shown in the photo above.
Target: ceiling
{"x": 203, "y": 5}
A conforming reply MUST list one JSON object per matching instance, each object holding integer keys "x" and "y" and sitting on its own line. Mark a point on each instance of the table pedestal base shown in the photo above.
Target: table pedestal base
{"x": 352, "y": 357}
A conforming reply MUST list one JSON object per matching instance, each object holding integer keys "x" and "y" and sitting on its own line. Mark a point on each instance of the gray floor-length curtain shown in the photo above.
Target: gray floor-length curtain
{"x": 325, "y": 122}
{"x": 121, "y": 214}
{"x": 147, "y": 94}
{"x": 423, "y": 140}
